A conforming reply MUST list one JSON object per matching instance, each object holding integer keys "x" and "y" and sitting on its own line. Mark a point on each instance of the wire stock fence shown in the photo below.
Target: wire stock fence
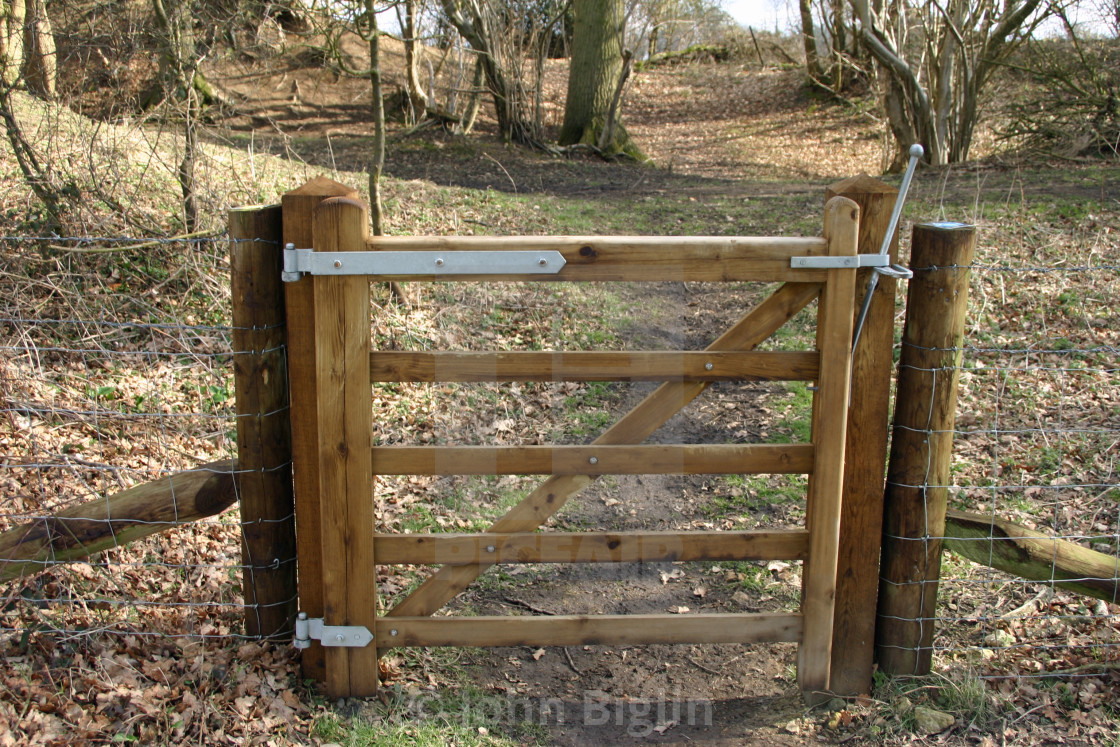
{"x": 94, "y": 403}
{"x": 106, "y": 394}
{"x": 1036, "y": 449}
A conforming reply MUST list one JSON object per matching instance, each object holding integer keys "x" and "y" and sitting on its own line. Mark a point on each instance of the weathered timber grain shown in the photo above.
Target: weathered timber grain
{"x": 921, "y": 447}
{"x": 344, "y": 410}
{"x": 587, "y": 630}
{"x": 1033, "y": 555}
{"x": 264, "y": 435}
{"x": 590, "y": 547}
{"x": 661, "y": 459}
{"x": 631, "y": 258}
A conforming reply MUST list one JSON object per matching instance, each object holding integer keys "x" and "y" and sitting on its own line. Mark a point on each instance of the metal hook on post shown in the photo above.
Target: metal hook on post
{"x": 894, "y": 271}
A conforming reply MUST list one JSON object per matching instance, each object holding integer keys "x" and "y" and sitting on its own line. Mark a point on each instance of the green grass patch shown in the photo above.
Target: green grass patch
{"x": 466, "y": 717}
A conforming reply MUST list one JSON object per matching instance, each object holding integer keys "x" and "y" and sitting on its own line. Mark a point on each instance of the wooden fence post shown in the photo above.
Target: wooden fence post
{"x": 264, "y": 451}
{"x": 922, "y": 445}
{"x": 861, "y": 515}
{"x": 345, "y": 413}
{"x": 298, "y": 207}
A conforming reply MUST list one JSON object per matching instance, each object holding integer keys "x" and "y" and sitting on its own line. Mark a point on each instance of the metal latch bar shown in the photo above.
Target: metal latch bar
{"x": 299, "y": 262}
{"x": 840, "y": 263}
{"x": 350, "y": 636}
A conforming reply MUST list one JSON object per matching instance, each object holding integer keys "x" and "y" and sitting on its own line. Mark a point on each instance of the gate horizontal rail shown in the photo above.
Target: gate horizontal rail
{"x": 724, "y": 459}
{"x": 589, "y": 547}
{"x": 623, "y": 258}
{"x": 589, "y": 630}
{"x": 549, "y": 366}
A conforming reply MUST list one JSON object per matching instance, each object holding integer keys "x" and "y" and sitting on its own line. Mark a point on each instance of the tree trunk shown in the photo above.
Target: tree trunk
{"x": 186, "y": 166}
{"x": 809, "y": 39}
{"x": 595, "y": 75}
{"x": 178, "y": 71}
{"x": 377, "y": 157}
{"x": 932, "y": 90}
{"x": 40, "y": 61}
{"x": 416, "y": 97}
{"x": 477, "y": 30}
{"x": 11, "y": 40}
{"x": 470, "y": 114}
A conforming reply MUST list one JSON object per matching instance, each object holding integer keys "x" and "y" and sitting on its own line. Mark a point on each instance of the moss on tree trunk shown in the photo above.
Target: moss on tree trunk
{"x": 595, "y": 80}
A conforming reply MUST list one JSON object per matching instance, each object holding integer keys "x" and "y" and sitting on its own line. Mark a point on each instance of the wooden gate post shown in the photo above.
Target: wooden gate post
{"x": 298, "y": 207}
{"x": 922, "y": 445}
{"x": 861, "y": 515}
{"x": 345, "y": 413}
{"x": 264, "y": 447}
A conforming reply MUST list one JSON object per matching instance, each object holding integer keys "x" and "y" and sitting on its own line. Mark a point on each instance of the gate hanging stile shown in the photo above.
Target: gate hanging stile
{"x": 341, "y": 264}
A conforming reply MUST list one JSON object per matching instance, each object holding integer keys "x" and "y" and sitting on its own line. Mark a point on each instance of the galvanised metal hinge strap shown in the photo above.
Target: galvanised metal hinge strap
{"x": 350, "y": 636}
{"x": 300, "y": 262}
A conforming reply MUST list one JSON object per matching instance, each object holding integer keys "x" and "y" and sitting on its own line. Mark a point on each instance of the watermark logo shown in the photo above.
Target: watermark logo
{"x": 637, "y": 717}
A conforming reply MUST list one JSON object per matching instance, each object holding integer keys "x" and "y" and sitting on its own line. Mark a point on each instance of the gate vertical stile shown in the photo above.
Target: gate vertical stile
{"x": 297, "y": 211}
{"x": 345, "y": 407}
{"x": 830, "y": 413}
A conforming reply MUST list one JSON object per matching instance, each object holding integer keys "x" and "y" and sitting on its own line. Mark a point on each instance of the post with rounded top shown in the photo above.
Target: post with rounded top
{"x": 922, "y": 445}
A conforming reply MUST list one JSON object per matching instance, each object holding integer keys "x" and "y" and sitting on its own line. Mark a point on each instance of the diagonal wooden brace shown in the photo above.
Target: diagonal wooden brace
{"x": 633, "y": 428}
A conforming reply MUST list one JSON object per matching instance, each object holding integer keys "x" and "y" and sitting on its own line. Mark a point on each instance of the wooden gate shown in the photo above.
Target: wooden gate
{"x": 332, "y": 368}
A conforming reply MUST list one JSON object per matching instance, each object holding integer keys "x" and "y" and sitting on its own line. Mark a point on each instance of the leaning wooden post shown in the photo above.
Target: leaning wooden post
{"x": 861, "y": 515}
{"x": 922, "y": 445}
{"x": 298, "y": 207}
{"x": 264, "y": 444}
{"x": 345, "y": 412}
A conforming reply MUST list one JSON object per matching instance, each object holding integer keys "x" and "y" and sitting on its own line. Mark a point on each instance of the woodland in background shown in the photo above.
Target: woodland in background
{"x": 930, "y": 71}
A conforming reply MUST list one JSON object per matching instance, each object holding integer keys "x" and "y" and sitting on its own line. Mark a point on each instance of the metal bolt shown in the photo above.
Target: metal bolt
{"x": 338, "y": 263}
{"x": 708, "y": 366}
{"x": 489, "y": 548}
{"x": 439, "y": 262}
{"x": 594, "y": 460}
{"x": 542, "y": 261}
{"x": 393, "y": 631}
{"x": 340, "y": 638}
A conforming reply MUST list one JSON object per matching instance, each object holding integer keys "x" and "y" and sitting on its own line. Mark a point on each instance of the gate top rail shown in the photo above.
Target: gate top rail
{"x": 570, "y": 258}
